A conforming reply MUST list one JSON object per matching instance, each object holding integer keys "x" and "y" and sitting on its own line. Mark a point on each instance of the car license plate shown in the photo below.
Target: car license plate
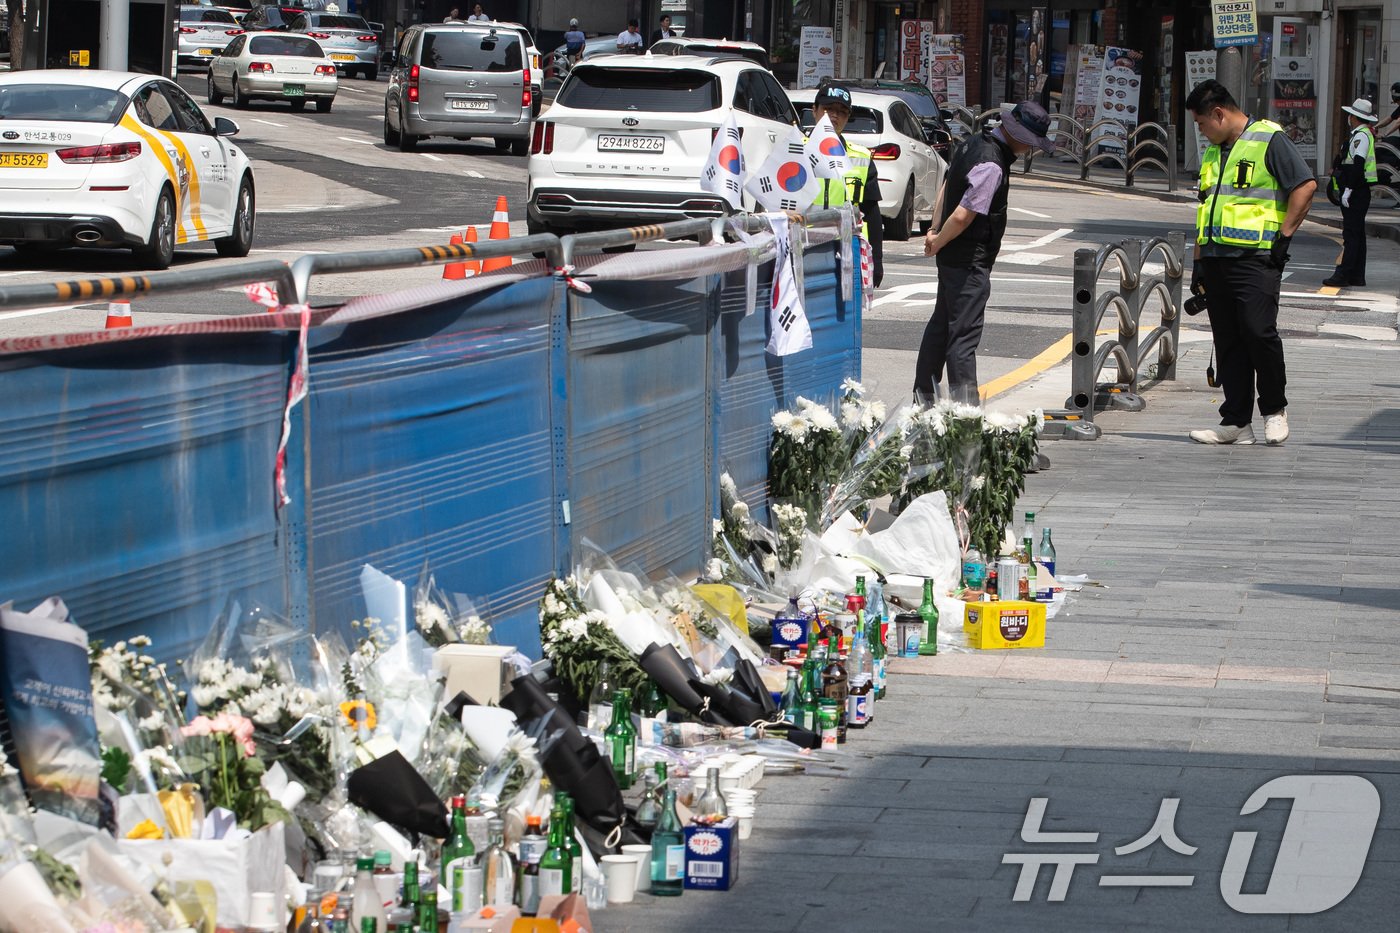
{"x": 204, "y": 51}
{"x": 631, "y": 143}
{"x": 342, "y": 58}
{"x": 24, "y": 160}
{"x": 293, "y": 90}
{"x": 471, "y": 105}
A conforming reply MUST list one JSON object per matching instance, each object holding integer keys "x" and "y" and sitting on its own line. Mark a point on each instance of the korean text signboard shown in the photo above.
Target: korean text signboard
{"x": 1235, "y": 22}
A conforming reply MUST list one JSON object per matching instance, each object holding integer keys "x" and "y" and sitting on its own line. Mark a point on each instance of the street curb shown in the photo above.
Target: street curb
{"x": 1380, "y": 231}
{"x": 1171, "y": 196}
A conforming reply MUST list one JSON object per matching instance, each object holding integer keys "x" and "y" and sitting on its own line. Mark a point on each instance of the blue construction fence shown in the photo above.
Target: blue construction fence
{"x": 490, "y": 429}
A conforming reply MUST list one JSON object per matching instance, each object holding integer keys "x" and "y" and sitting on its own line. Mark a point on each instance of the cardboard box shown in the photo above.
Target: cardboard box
{"x": 712, "y": 856}
{"x": 478, "y": 669}
{"x": 1005, "y": 624}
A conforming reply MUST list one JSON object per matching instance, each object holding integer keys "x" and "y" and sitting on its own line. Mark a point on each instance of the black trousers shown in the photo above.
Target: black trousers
{"x": 1352, "y": 268}
{"x": 953, "y": 333}
{"x": 1242, "y": 301}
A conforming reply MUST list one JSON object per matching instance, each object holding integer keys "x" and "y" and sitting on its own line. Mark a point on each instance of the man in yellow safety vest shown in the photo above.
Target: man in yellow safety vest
{"x": 1356, "y": 175}
{"x": 1255, "y": 190}
{"x": 861, "y": 184}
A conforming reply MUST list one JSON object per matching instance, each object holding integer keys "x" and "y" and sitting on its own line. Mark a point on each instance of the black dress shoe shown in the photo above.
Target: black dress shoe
{"x": 1334, "y": 283}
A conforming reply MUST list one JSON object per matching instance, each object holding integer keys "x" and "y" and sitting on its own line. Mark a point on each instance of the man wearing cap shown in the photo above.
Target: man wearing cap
{"x": 1255, "y": 189}
{"x": 574, "y": 41}
{"x": 861, "y": 183}
{"x": 969, "y": 220}
{"x": 1357, "y": 174}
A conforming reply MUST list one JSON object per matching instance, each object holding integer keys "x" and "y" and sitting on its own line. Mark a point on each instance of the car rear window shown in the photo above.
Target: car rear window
{"x": 284, "y": 45}
{"x": 63, "y": 102}
{"x": 669, "y": 91}
{"x": 207, "y": 16}
{"x": 334, "y": 21}
{"x": 865, "y": 120}
{"x": 469, "y": 50}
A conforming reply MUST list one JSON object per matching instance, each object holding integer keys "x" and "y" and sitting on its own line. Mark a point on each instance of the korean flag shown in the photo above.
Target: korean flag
{"x": 724, "y": 171}
{"x": 785, "y": 181}
{"x": 825, "y": 152}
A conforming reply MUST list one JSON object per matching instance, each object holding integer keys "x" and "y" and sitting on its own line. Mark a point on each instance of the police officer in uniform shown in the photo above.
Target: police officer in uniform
{"x": 861, "y": 184}
{"x": 969, "y": 220}
{"x": 1255, "y": 190}
{"x": 1356, "y": 176}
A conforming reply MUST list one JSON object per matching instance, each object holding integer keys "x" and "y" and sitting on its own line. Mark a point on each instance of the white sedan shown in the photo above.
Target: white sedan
{"x": 910, "y": 171}
{"x": 273, "y": 66}
{"x": 112, "y": 159}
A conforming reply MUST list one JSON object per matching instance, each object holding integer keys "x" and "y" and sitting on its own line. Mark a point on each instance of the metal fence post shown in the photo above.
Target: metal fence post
{"x": 1171, "y": 158}
{"x": 1169, "y": 350}
{"x": 1130, "y": 286}
{"x": 1081, "y": 398}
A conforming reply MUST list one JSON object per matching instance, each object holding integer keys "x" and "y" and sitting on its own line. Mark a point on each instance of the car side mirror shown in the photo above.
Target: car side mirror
{"x": 223, "y": 126}
{"x": 946, "y": 114}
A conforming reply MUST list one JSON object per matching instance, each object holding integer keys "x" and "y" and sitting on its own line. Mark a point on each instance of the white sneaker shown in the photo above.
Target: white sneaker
{"x": 1227, "y": 434}
{"x": 1276, "y": 427}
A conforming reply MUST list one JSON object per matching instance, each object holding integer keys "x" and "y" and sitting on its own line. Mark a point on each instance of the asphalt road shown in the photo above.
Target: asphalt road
{"x": 327, "y": 182}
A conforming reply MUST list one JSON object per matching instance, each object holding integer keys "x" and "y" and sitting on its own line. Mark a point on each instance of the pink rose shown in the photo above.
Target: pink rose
{"x": 200, "y": 725}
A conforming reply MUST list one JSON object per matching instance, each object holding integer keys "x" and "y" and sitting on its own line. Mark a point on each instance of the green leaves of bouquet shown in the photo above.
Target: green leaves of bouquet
{"x": 578, "y": 640}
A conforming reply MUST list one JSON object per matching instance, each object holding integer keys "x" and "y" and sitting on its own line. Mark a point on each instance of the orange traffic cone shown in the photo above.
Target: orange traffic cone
{"x": 473, "y": 265}
{"x": 455, "y": 270}
{"x": 118, "y": 314}
{"x": 500, "y": 230}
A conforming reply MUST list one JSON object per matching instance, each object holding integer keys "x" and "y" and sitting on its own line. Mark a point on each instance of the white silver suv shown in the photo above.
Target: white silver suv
{"x": 627, "y": 137}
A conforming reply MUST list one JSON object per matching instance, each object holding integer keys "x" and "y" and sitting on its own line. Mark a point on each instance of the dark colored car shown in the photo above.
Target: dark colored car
{"x": 920, "y": 99}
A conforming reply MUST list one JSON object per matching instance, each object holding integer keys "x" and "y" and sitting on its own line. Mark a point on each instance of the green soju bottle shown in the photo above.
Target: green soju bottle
{"x": 571, "y": 838}
{"x": 458, "y": 850}
{"x": 928, "y": 611}
{"x": 557, "y": 863}
{"x": 620, "y": 739}
{"x": 668, "y": 852}
{"x": 792, "y": 700}
{"x": 877, "y": 654}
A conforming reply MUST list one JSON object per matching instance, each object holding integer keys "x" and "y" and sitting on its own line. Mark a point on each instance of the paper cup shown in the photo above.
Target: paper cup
{"x": 620, "y": 875}
{"x": 262, "y": 912}
{"x": 642, "y": 853}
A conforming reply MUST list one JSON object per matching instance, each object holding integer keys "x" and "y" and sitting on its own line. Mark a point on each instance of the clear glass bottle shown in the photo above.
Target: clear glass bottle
{"x": 649, "y": 808}
{"x": 1047, "y": 551}
{"x": 878, "y": 654}
{"x": 600, "y": 699}
{"x": 710, "y": 808}
{"x": 668, "y": 851}
{"x": 928, "y": 611}
{"x": 499, "y": 867}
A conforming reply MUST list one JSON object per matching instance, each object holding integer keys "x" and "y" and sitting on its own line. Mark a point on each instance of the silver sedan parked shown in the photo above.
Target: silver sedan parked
{"x": 273, "y": 66}
{"x": 204, "y": 30}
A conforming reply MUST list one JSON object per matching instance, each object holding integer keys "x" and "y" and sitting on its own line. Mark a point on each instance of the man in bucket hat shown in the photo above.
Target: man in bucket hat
{"x": 969, "y": 220}
{"x": 1357, "y": 174}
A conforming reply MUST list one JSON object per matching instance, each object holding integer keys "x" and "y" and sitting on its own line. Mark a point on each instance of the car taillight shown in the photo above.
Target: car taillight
{"x": 366, "y": 38}
{"x": 187, "y": 30}
{"x": 233, "y": 32}
{"x": 542, "y": 141}
{"x": 413, "y": 83}
{"x": 265, "y": 67}
{"x": 325, "y": 69}
{"x": 885, "y": 151}
{"x": 525, "y": 87}
{"x": 319, "y": 35}
{"x": 107, "y": 152}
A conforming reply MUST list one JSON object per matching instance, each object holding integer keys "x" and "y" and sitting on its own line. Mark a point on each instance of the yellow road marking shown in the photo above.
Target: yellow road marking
{"x": 1033, "y": 367}
{"x": 1329, "y": 290}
